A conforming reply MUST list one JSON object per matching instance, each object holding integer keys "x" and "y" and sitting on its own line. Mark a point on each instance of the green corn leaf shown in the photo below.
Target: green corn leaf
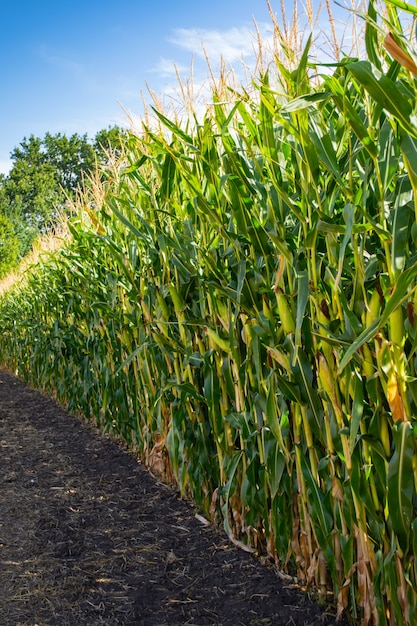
{"x": 389, "y": 154}
{"x": 174, "y": 128}
{"x": 272, "y": 417}
{"x": 248, "y": 120}
{"x": 230, "y": 473}
{"x": 399, "y": 295}
{"x": 377, "y": 446}
{"x": 414, "y": 535}
{"x": 357, "y": 409}
{"x": 400, "y": 225}
{"x": 301, "y": 78}
{"x": 371, "y": 37}
{"x": 391, "y": 581}
{"x": 304, "y": 377}
{"x": 276, "y": 466}
{"x": 322, "y": 143}
{"x": 128, "y": 359}
{"x": 348, "y": 214}
{"x": 401, "y": 482}
{"x": 340, "y": 229}
{"x": 187, "y": 390}
{"x": 386, "y": 93}
{"x": 409, "y": 151}
{"x": 143, "y": 235}
{"x": 322, "y": 516}
{"x": 340, "y": 97}
{"x": 290, "y": 390}
{"x": 404, "y": 6}
{"x": 303, "y": 102}
{"x": 242, "y": 423}
{"x": 302, "y": 300}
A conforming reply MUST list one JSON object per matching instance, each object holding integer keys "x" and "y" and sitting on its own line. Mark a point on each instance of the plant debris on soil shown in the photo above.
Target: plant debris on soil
{"x": 88, "y": 536}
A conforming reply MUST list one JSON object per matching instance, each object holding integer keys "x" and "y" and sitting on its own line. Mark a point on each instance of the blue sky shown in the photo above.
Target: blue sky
{"x": 68, "y": 67}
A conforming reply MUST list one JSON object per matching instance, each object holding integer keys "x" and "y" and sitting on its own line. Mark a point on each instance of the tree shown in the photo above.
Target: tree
{"x": 71, "y": 157}
{"x": 107, "y": 141}
{"x": 46, "y": 174}
{"x": 31, "y": 188}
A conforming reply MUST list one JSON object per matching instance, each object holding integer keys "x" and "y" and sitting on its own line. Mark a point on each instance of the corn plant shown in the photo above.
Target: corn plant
{"x": 238, "y": 303}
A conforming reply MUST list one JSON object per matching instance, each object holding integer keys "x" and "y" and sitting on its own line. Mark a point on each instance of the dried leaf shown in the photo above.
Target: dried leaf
{"x": 399, "y": 55}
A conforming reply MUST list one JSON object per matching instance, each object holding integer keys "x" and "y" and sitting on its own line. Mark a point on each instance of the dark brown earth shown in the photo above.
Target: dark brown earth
{"x": 88, "y": 537}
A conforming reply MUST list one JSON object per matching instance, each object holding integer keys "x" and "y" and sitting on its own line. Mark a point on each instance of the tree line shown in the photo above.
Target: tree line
{"x": 45, "y": 175}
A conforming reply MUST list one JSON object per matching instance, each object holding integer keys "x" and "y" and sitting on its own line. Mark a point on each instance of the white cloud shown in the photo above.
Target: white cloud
{"x": 232, "y": 44}
{"x": 168, "y": 67}
{"x": 237, "y": 47}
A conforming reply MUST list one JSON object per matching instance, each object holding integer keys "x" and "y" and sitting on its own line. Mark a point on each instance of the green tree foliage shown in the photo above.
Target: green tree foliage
{"x": 46, "y": 174}
{"x": 108, "y": 141}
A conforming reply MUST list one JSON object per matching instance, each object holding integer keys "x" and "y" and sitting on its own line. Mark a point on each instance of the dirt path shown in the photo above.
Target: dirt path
{"x": 88, "y": 537}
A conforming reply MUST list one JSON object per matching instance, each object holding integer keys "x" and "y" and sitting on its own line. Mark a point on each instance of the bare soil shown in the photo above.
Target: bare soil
{"x": 89, "y": 537}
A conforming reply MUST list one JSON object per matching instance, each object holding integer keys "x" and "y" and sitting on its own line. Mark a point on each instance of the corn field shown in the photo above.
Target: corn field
{"x": 238, "y": 302}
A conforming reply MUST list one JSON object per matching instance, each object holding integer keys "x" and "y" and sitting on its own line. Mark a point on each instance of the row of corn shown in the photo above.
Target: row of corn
{"x": 238, "y": 303}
